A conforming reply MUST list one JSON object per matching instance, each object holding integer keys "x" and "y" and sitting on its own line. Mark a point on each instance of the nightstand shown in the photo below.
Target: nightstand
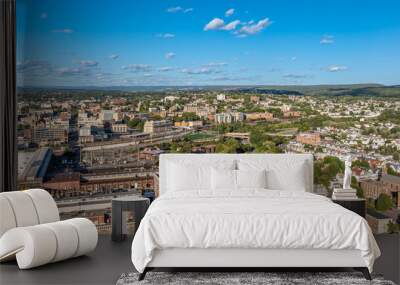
{"x": 120, "y": 206}
{"x": 358, "y": 205}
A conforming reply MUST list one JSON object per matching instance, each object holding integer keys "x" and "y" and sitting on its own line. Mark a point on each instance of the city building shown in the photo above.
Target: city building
{"x": 154, "y": 127}
{"x": 119, "y": 128}
{"x": 291, "y": 114}
{"x": 50, "y": 136}
{"x": 259, "y": 116}
{"x": 243, "y": 137}
{"x": 32, "y": 167}
{"x": 106, "y": 116}
{"x": 150, "y": 153}
{"x": 310, "y": 138}
{"x": 223, "y": 118}
{"x": 221, "y": 97}
{"x": 63, "y": 185}
{"x": 190, "y": 124}
{"x": 254, "y": 99}
{"x": 387, "y": 184}
{"x": 228, "y": 117}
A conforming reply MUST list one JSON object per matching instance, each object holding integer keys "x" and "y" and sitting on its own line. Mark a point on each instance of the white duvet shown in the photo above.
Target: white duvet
{"x": 250, "y": 219}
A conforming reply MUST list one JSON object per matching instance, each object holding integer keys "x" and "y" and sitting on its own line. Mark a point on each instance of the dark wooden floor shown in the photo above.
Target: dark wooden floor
{"x": 110, "y": 260}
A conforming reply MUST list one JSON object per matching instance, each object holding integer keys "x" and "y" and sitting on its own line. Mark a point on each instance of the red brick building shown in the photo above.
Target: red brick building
{"x": 64, "y": 185}
{"x": 388, "y": 184}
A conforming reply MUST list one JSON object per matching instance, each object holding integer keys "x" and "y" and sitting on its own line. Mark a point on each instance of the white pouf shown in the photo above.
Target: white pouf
{"x": 31, "y": 232}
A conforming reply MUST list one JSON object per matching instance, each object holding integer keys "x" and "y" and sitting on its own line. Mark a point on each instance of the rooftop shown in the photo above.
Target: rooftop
{"x": 391, "y": 179}
{"x": 36, "y": 166}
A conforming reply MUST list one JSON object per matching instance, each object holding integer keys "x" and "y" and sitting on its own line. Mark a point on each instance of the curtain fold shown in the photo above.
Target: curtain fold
{"x": 8, "y": 100}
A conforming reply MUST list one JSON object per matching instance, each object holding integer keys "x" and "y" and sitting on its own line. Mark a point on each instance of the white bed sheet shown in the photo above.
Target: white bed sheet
{"x": 251, "y": 218}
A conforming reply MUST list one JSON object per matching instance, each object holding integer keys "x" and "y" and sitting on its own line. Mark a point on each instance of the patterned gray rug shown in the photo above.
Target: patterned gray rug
{"x": 243, "y": 278}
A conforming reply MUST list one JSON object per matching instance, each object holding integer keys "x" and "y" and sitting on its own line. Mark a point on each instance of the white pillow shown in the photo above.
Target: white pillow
{"x": 294, "y": 179}
{"x": 224, "y": 179}
{"x": 182, "y": 177}
{"x": 284, "y": 174}
{"x": 251, "y": 178}
{"x": 186, "y": 175}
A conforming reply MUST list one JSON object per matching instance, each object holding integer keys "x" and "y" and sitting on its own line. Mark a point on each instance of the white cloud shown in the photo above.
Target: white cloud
{"x": 114, "y": 56}
{"x": 295, "y": 76}
{"x": 337, "y": 68}
{"x": 136, "y": 67}
{"x": 179, "y": 9}
{"x": 37, "y": 67}
{"x": 249, "y": 28}
{"x": 203, "y": 70}
{"x": 88, "y": 63}
{"x": 231, "y": 26}
{"x": 64, "y": 31}
{"x": 43, "y": 15}
{"x": 165, "y": 69}
{"x": 174, "y": 9}
{"x": 219, "y": 24}
{"x": 327, "y": 39}
{"x": 232, "y": 78}
{"x": 214, "y": 24}
{"x": 166, "y": 36}
{"x": 229, "y": 12}
{"x": 255, "y": 28}
{"x": 71, "y": 71}
{"x": 216, "y": 64}
{"x": 170, "y": 55}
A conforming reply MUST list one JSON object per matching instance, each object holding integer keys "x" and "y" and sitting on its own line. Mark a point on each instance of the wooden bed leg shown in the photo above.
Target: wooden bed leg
{"x": 143, "y": 274}
{"x": 365, "y": 272}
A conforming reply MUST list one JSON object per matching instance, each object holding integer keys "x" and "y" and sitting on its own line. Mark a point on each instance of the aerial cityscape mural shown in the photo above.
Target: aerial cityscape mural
{"x": 103, "y": 92}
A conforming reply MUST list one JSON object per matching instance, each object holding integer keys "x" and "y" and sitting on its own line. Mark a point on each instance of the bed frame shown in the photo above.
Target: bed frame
{"x": 249, "y": 259}
{"x": 242, "y": 259}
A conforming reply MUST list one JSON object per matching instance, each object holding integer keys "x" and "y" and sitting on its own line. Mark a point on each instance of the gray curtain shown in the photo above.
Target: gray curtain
{"x": 8, "y": 100}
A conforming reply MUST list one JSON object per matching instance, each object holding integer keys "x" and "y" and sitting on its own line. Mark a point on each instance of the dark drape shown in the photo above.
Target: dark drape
{"x": 8, "y": 100}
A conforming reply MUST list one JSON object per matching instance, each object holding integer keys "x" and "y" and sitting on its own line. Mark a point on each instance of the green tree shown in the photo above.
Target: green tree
{"x": 276, "y": 112}
{"x": 188, "y": 116}
{"x": 355, "y": 185}
{"x": 384, "y": 202}
{"x": 393, "y": 228}
{"x": 325, "y": 170}
{"x": 230, "y": 146}
{"x": 136, "y": 124}
{"x": 361, "y": 164}
{"x": 257, "y": 137}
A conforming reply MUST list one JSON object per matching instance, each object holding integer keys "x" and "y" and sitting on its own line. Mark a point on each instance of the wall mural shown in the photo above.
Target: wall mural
{"x": 104, "y": 88}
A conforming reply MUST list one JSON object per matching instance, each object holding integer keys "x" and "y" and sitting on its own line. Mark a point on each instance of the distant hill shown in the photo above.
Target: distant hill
{"x": 375, "y": 90}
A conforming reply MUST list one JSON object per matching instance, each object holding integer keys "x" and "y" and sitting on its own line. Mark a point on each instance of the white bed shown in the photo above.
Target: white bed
{"x": 248, "y": 227}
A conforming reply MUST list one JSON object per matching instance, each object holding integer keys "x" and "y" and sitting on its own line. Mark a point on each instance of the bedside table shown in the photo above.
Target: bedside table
{"x": 358, "y": 205}
{"x": 137, "y": 205}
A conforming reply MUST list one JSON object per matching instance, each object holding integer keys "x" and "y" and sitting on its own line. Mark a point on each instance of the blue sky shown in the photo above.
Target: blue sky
{"x": 231, "y": 42}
